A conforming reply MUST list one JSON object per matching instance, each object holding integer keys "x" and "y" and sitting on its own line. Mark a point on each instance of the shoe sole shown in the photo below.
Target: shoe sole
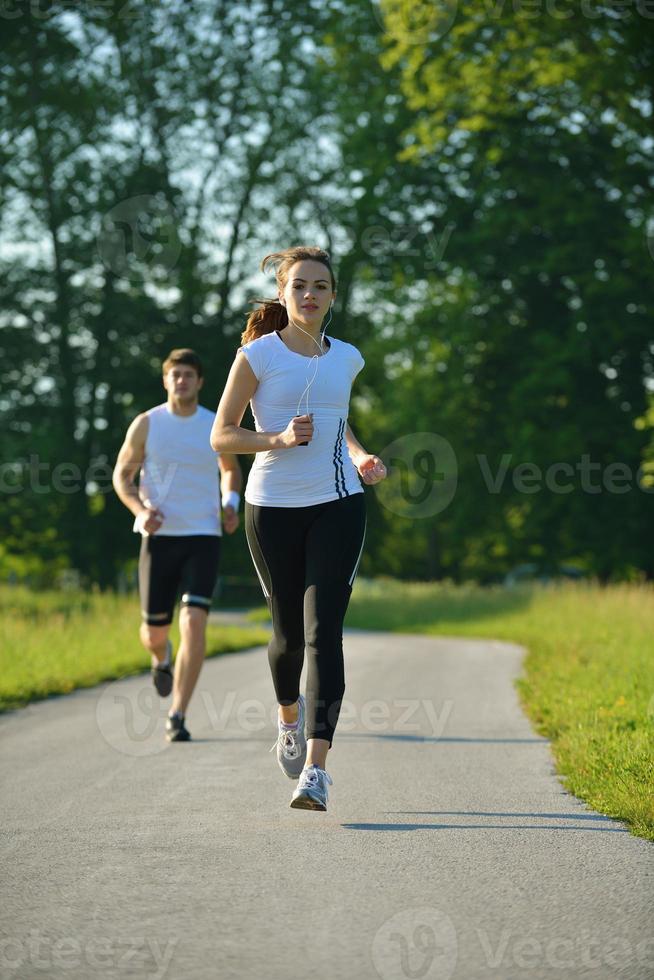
{"x": 307, "y": 803}
{"x": 176, "y": 737}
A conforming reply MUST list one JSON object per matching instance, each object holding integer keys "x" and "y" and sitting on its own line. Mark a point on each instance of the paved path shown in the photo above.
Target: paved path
{"x": 449, "y": 851}
{"x": 233, "y": 617}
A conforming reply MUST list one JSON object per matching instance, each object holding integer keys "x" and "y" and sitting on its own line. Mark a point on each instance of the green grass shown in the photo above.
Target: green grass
{"x": 588, "y": 682}
{"x": 54, "y": 642}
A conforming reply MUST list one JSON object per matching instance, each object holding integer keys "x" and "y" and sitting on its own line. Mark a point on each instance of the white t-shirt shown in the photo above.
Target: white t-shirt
{"x": 300, "y": 476}
{"x": 180, "y": 472}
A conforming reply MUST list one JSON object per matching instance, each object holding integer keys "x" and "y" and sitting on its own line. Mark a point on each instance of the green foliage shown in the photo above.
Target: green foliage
{"x": 537, "y": 126}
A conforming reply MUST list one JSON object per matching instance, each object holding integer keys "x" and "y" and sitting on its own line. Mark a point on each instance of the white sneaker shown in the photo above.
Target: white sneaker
{"x": 291, "y": 744}
{"x": 311, "y": 792}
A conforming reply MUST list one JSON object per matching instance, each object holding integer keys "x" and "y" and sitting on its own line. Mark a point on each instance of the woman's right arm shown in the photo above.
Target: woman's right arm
{"x": 227, "y": 435}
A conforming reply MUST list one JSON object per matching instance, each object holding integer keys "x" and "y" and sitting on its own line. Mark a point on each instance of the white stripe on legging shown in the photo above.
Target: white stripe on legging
{"x": 360, "y": 553}
{"x": 265, "y": 591}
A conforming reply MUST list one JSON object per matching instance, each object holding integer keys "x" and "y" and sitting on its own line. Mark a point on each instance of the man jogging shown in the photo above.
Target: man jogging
{"x": 177, "y": 512}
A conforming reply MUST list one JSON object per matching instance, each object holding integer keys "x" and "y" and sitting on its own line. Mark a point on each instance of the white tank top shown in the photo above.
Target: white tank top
{"x": 180, "y": 472}
{"x": 302, "y": 475}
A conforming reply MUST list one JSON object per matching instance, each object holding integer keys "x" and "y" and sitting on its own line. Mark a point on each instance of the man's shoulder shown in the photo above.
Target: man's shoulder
{"x": 155, "y": 410}
{"x": 139, "y": 424}
{"x": 206, "y": 419}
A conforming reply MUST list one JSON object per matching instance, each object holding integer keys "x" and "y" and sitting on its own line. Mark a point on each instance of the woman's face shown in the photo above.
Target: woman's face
{"x": 308, "y": 292}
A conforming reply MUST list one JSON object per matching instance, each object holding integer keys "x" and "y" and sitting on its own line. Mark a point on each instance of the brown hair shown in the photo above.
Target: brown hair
{"x": 182, "y": 355}
{"x": 272, "y": 315}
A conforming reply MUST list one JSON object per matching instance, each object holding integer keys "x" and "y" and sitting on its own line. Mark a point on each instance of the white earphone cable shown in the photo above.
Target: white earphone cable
{"x": 315, "y": 357}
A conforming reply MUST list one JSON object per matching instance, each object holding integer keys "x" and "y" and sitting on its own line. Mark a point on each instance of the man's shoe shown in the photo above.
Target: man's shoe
{"x": 291, "y": 744}
{"x": 162, "y": 674}
{"x": 176, "y": 730}
{"x": 311, "y": 791}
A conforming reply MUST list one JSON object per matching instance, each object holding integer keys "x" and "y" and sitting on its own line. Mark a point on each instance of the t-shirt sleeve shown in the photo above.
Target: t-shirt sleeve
{"x": 357, "y": 363}
{"x": 252, "y": 352}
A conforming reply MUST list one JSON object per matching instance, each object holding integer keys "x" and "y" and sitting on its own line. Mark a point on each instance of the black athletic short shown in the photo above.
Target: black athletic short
{"x": 169, "y": 567}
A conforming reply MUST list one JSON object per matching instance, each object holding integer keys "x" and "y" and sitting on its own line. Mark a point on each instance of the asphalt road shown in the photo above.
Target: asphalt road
{"x": 450, "y": 850}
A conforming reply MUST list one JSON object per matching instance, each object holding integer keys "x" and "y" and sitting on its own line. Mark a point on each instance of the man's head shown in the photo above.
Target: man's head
{"x": 182, "y": 375}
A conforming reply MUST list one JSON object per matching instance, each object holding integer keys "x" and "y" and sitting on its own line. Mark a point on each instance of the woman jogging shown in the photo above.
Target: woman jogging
{"x": 305, "y": 515}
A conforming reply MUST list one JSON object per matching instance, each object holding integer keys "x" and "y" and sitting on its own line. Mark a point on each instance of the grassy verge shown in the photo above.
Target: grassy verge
{"x": 52, "y": 643}
{"x": 588, "y": 682}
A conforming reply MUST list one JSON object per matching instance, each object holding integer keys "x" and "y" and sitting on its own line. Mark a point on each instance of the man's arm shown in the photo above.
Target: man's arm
{"x": 231, "y": 477}
{"x": 130, "y": 459}
{"x": 231, "y": 480}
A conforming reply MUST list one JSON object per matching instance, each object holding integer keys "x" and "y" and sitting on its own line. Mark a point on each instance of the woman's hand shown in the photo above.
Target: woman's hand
{"x": 298, "y": 430}
{"x": 371, "y": 469}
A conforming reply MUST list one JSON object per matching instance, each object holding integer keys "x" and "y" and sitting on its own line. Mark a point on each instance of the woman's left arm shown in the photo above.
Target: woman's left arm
{"x": 370, "y": 467}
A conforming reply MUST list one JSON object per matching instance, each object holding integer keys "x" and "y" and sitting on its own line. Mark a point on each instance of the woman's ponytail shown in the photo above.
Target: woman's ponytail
{"x": 271, "y": 316}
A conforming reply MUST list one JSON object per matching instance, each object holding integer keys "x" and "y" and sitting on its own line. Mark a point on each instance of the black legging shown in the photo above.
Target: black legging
{"x": 306, "y": 559}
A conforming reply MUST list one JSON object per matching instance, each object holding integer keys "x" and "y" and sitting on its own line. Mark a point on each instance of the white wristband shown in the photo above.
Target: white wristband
{"x": 231, "y": 499}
